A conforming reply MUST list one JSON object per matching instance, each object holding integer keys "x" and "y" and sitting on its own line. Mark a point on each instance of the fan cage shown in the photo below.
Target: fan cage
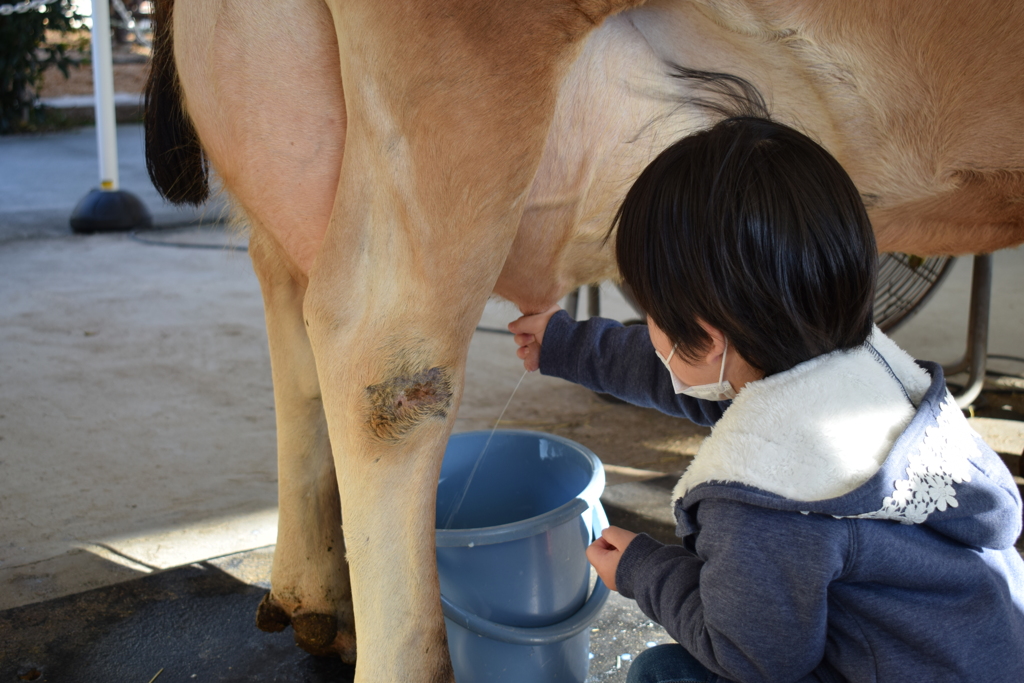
{"x": 905, "y": 283}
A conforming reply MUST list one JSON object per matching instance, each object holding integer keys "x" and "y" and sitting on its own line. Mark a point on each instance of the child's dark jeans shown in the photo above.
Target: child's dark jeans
{"x": 668, "y": 664}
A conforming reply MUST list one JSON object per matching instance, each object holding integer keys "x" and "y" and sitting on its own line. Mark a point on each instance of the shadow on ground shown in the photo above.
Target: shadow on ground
{"x": 195, "y": 623}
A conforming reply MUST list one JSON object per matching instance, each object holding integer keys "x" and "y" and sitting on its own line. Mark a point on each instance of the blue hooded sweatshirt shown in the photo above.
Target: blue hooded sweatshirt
{"x": 842, "y": 522}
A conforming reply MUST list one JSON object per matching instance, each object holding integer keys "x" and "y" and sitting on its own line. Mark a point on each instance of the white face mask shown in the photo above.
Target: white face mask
{"x": 719, "y": 391}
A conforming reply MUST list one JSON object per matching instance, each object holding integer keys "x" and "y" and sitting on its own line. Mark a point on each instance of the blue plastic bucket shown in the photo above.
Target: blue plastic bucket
{"x": 512, "y": 563}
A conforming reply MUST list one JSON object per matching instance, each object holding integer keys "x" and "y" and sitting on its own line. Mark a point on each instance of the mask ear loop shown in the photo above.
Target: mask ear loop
{"x": 721, "y": 373}
{"x": 666, "y": 361}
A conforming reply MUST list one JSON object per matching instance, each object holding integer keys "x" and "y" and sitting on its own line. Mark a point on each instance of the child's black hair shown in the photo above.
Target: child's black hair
{"x": 753, "y": 228}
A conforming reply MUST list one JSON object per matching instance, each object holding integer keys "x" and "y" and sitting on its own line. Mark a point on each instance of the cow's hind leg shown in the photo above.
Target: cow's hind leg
{"x": 447, "y": 115}
{"x": 392, "y": 373}
{"x": 264, "y": 95}
{"x": 310, "y": 584}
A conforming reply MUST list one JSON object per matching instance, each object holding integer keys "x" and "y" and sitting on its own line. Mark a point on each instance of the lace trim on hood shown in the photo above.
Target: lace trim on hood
{"x": 940, "y": 462}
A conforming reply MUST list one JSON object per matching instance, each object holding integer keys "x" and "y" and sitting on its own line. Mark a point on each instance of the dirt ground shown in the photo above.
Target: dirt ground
{"x": 130, "y": 78}
{"x": 139, "y": 371}
{"x": 131, "y": 66}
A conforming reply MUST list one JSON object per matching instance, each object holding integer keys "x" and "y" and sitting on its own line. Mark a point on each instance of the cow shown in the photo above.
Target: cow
{"x": 400, "y": 162}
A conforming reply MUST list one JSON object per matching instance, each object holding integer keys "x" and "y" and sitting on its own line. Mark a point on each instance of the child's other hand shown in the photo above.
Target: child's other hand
{"x": 605, "y": 553}
{"x": 529, "y": 335}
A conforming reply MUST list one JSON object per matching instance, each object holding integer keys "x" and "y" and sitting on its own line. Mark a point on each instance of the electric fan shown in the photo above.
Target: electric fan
{"x": 904, "y": 284}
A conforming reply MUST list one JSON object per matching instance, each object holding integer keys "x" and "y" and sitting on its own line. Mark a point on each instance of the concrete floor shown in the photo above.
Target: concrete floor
{"x": 195, "y": 623}
{"x": 136, "y": 415}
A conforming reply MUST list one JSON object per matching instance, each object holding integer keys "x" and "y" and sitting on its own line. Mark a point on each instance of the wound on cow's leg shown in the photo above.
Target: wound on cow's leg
{"x": 399, "y": 404}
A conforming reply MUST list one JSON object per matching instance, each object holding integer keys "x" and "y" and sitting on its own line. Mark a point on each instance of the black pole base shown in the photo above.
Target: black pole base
{"x": 110, "y": 211}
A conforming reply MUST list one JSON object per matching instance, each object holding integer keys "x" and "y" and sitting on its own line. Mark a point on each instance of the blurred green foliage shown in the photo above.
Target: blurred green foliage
{"x": 30, "y": 43}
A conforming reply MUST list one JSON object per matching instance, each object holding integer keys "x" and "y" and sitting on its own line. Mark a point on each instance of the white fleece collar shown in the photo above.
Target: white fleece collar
{"x": 816, "y": 431}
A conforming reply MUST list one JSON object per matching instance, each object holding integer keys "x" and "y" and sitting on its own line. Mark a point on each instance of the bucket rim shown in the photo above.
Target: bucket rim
{"x": 513, "y": 531}
{"x": 540, "y": 635}
{"x": 531, "y": 526}
{"x": 527, "y": 432}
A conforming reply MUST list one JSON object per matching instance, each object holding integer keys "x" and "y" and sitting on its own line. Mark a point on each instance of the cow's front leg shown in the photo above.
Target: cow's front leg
{"x": 309, "y": 582}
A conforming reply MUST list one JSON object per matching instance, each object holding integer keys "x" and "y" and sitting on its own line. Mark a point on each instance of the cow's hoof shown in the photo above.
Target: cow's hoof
{"x": 270, "y": 617}
{"x": 315, "y": 633}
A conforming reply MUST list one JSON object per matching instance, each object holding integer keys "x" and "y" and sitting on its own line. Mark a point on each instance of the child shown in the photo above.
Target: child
{"x": 842, "y": 522}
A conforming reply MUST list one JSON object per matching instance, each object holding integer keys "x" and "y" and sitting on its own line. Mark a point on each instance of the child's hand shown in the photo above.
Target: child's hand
{"x": 529, "y": 331}
{"x": 605, "y": 553}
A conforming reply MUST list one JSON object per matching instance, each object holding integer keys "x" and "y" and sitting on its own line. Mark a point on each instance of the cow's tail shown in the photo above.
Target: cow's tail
{"x": 174, "y": 158}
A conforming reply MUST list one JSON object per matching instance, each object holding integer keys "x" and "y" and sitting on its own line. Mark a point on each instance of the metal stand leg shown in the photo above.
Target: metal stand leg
{"x": 976, "y": 355}
{"x": 594, "y": 300}
{"x": 572, "y": 303}
{"x": 627, "y": 294}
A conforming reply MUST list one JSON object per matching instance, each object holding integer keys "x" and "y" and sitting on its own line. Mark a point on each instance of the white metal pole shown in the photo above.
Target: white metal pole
{"x": 103, "y": 91}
